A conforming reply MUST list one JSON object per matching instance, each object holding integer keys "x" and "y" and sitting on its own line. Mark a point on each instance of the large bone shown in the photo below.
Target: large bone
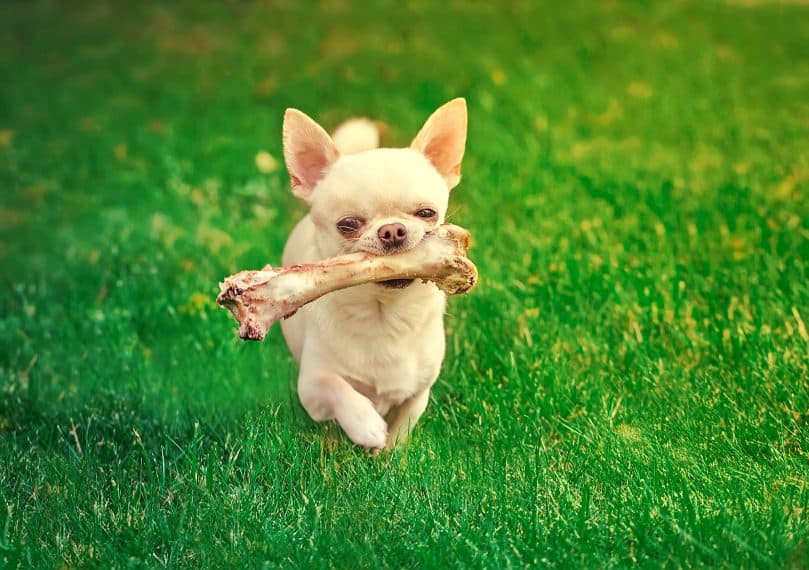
{"x": 259, "y": 298}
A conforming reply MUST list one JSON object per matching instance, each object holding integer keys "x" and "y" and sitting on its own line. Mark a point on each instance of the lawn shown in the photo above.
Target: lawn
{"x": 627, "y": 386}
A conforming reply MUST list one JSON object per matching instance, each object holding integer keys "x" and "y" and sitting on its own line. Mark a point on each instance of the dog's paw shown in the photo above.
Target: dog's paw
{"x": 374, "y": 437}
{"x": 364, "y": 427}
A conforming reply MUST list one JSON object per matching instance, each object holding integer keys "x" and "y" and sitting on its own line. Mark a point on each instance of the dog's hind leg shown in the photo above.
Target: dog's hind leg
{"x": 406, "y": 417}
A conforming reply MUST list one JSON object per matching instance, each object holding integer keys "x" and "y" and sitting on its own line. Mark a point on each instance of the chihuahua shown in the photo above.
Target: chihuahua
{"x": 373, "y": 351}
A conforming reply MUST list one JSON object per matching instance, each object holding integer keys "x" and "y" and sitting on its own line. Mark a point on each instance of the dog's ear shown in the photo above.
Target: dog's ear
{"x": 308, "y": 151}
{"x": 442, "y": 140}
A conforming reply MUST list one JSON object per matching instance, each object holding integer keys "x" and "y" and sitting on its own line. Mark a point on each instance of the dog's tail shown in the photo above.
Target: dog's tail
{"x": 357, "y": 135}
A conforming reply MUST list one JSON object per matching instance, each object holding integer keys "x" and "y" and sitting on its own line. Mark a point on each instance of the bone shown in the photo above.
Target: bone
{"x": 257, "y": 299}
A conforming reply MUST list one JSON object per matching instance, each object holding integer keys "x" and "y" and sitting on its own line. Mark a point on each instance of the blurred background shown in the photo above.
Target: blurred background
{"x": 635, "y": 184}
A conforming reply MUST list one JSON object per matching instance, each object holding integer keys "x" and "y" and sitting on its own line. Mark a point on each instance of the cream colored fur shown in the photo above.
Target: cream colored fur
{"x": 369, "y": 353}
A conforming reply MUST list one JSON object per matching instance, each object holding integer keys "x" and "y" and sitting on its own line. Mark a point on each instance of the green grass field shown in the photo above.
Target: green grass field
{"x": 627, "y": 386}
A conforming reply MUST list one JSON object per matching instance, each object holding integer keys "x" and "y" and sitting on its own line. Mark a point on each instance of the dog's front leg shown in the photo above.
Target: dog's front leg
{"x": 406, "y": 417}
{"x": 327, "y": 396}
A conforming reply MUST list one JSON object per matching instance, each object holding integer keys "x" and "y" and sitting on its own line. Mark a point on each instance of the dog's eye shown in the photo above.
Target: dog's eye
{"x": 349, "y": 225}
{"x": 426, "y": 213}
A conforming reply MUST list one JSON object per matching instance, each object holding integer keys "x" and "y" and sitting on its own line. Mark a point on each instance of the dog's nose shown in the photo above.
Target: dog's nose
{"x": 392, "y": 235}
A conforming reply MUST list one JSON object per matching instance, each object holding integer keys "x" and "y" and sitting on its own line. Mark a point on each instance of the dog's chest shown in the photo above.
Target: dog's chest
{"x": 392, "y": 349}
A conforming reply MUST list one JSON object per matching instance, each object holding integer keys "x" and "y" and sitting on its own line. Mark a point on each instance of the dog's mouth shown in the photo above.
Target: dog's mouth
{"x": 396, "y": 283}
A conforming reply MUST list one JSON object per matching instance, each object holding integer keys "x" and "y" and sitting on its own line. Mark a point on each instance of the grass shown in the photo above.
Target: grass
{"x": 628, "y": 385}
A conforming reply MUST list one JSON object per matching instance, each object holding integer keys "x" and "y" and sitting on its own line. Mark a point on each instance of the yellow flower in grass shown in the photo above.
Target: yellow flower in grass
{"x": 265, "y": 162}
{"x": 197, "y": 303}
{"x": 213, "y": 238}
{"x": 498, "y": 76}
{"x": 639, "y": 90}
{"x": 6, "y": 136}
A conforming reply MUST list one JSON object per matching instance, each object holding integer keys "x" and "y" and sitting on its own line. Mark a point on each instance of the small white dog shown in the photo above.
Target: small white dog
{"x": 374, "y": 350}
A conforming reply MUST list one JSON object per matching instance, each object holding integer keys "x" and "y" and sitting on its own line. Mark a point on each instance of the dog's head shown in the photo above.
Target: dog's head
{"x": 381, "y": 200}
